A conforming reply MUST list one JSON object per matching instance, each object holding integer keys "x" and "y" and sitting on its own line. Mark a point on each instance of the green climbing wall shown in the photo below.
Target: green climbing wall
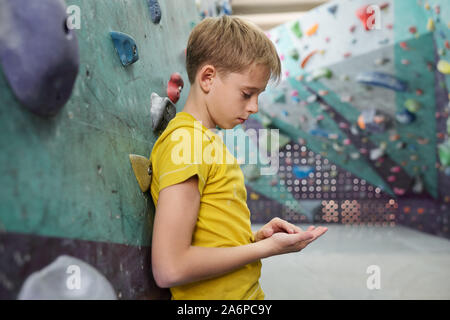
{"x": 69, "y": 176}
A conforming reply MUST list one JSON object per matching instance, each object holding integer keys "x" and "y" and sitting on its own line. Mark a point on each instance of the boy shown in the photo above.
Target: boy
{"x": 203, "y": 246}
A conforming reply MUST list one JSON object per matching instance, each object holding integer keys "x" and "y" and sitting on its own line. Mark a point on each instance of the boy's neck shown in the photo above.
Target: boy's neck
{"x": 196, "y": 107}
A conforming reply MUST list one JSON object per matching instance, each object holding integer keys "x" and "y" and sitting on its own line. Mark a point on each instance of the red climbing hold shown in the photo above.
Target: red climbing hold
{"x": 365, "y": 14}
{"x": 174, "y": 87}
{"x": 412, "y": 30}
{"x": 404, "y": 45}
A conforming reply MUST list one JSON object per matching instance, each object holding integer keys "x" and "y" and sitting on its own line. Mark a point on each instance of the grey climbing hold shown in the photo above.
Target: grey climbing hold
{"x": 38, "y": 53}
{"x": 162, "y": 111}
{"x": 155, "y": 10}
{"x": 67, "y": 278}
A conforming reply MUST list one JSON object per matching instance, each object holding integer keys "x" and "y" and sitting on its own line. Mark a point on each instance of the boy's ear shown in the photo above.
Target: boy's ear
{"x": 206, "y": 76}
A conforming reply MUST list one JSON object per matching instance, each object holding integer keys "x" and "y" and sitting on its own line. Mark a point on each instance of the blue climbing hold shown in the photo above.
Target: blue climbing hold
{"x": 155, "y": 11}
{"x": 333, "y": 9}
{"x": 125, "y": 47}
{"x": 382, "y": 79}
{"x": 405, "y": 116}
{"x": 302, "y": 172}
{"x": 39, "y": 53}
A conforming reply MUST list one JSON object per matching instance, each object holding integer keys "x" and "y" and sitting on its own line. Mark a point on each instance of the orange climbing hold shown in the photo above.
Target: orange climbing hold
{"x": 312, "y": 30}
{"x": 306, "y": 59}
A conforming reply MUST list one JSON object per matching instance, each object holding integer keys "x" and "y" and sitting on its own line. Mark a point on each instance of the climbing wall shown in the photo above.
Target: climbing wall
{"x": 363, "y": 104}
{"x": 67, "y": 186}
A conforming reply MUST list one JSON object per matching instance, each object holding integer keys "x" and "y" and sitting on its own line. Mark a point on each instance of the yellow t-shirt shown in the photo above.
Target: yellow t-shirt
{"x": 223, "y": 218}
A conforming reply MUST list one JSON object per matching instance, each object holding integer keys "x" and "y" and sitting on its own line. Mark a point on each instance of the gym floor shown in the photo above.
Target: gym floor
{"x": 409, "y": 265}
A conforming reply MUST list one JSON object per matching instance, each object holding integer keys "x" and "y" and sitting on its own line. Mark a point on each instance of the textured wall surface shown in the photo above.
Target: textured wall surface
{"x": 66, "y": 181}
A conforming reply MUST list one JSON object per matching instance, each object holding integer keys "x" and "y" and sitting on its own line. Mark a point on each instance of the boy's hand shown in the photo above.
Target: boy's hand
{"x": 275, "y": 225}
{"x": 281, "y": 242}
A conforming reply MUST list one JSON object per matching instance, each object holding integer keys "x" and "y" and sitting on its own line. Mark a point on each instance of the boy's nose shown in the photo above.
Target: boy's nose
{"x": 253, "y": 107}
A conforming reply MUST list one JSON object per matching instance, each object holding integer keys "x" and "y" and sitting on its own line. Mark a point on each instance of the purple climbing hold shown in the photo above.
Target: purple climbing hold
{"x": 155, "y": 11}
{"x": 38, "y": 53}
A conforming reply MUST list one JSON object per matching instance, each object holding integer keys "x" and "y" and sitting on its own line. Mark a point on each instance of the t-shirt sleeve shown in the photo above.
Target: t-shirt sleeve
{"x": 173, "y": 163}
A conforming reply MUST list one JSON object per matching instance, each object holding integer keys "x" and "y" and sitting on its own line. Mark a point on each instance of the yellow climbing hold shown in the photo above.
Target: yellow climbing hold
{"x": 430, "y": 24}
{"x": 443, "y": 67}
{"x": 254, "y": 196}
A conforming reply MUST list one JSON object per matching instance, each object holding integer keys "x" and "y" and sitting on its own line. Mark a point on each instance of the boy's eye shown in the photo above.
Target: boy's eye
{"x": 246, "y": 95}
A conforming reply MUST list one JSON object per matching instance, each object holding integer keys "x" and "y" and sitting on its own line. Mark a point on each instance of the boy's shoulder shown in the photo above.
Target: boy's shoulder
{"x": 183, "y": 130}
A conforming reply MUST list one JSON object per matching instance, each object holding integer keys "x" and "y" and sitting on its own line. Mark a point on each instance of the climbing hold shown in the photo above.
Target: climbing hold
{"x": 293, "y": 53}
{"x": 254, "y": 196}
{"x": 155, "y": 10}
{"x": 296, "y": 29}
{"x": 321, "y": 73}
{"x": 142, "y": 170}
{"x": 50, "y": 282}
{"x": 162, "y": 111}
{"x": 373, "y": 120}
{"x": 39, "y": 54}
{"x": 346, "y": 98}
{"x": 311, "y": 98}
{"x": 405, "y": 116}
{"x": 352, "y": 28}
{"x": 280, "y": 98}
{"x": 382, "y": 61}
{"x": 355, "y": 155}
{"x": 312, "y": 30}
{"x": 399, "y": 191}
{"x": 412, "y": 30}
{"x": 443, "y": 67}
{"x": 444, "y": 153}
{"x": 302, "y": 172}
{"x": 126, "y": 48}
{"x": 365, "y": 14}
{"x": 412, "y": 105}
{"x": 394, "y": 137}
{"x": 405, "y": 62}
{"x": 404, "y": 45}
{"x": 382, "y": 79}
{"x": 377, "y": 153}
{"x": 418, "y": 185}
{"x": 251, "y": 172}
{"x": 307, "y": 58}
{"x": 430, "y": 25}
{"x": 333, "y": 9}
{"x": 337, "y": 147}
{"x": 391, "y": 179}
{"x": 174, "y": 87}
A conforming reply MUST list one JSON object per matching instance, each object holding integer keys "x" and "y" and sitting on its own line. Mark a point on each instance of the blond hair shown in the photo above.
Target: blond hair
{"x": 230, "y": 44}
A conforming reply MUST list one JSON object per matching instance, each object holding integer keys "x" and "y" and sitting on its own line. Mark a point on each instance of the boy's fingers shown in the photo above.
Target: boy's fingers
{"x": 283, "y": 225}
{"x": 319, "y": 232}
{"x": 310, "y": 228}
{"x": 304, "y": 236}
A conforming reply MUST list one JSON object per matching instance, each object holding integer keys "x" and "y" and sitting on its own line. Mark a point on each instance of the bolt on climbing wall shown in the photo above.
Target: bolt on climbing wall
{"x": 67, "y": 185}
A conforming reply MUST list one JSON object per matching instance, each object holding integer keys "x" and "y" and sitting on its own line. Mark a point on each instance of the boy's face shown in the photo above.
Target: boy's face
{"x": 234, "y": 97}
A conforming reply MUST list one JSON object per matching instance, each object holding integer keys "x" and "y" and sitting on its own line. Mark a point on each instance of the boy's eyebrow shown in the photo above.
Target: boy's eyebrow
{"x": 255, "y": 88}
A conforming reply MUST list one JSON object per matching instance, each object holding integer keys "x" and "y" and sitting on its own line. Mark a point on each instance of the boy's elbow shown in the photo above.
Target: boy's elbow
{"x": 165, "y": 276}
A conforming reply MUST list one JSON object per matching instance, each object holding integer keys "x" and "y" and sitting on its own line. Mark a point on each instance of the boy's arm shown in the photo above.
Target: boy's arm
{"x": 175, "y": 261}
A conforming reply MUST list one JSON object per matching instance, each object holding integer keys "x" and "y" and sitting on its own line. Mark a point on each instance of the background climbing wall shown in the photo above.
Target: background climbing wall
{"x": 331, "y": 168}
{"x": 67, "y": 186}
